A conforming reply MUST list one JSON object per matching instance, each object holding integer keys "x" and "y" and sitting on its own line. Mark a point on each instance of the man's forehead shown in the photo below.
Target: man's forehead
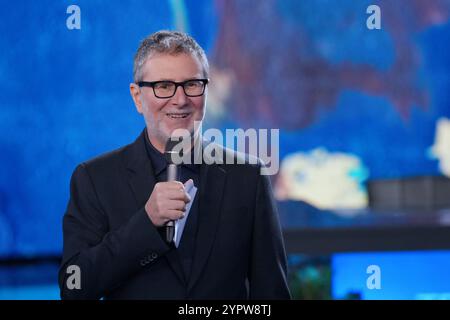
{"x": 172, "y": 66}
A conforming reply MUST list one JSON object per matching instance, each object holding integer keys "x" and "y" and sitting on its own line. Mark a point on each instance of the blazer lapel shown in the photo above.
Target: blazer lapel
{"x": 141, "y": 179}
{"x": 212, "y": 182}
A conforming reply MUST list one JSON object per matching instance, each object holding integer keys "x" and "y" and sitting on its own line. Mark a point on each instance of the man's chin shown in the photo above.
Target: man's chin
{"x": 180, "y": 132}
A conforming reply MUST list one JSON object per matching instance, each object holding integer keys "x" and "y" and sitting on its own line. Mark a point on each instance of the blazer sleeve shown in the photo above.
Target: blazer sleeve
{"x": 268, "y": 265}
{"x": 105, "y": 258}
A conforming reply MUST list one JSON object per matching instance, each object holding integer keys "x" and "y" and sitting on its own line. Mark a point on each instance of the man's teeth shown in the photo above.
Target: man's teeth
{"x": 177, "y": 115}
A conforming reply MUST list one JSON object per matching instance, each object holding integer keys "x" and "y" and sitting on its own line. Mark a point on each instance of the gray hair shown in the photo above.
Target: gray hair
{"x": 168, "y": 42}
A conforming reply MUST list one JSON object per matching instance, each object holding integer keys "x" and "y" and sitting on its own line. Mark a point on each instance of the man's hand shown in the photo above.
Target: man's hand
{"x": 167, "y": 202}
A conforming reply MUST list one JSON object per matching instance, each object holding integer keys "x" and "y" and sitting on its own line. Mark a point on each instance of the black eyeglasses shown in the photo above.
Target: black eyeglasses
{"x": 166, "y": 89}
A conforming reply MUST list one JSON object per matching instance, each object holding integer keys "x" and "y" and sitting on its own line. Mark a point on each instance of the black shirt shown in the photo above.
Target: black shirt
{"x": 185, "y": 172}
{"x": 159, "y": 164}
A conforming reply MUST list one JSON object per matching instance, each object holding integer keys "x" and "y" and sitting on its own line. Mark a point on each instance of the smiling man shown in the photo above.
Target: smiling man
{"x": 159, "y": 72}
{"x": 228, "y": 242}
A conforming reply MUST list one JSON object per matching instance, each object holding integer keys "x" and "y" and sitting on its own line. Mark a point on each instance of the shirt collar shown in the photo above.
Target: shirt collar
{"x": 159, "y": 161}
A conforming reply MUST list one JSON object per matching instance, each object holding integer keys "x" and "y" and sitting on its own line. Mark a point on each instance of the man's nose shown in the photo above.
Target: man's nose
{"x": 180, "y": 97}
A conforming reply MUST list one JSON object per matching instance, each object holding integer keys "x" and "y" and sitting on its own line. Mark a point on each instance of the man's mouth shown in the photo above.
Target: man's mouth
{"x": 178, "y": 115}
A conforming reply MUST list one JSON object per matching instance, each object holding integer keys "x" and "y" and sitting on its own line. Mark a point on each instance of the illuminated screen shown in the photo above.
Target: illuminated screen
{"x": 406, "y": 275}
{"x": 351, "y": 104}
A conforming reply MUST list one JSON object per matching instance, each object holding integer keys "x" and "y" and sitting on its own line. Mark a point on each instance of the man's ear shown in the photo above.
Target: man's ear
{"x": 135, "y": 93}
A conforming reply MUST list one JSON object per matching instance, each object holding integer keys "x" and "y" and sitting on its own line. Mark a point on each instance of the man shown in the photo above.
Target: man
{"x": 114, "y": 228}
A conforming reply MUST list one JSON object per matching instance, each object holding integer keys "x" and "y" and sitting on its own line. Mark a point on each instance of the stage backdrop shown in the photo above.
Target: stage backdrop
{"x": 352, "y": 104}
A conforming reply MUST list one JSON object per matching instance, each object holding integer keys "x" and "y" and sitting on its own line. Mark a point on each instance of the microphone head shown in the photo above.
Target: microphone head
{"x": 169, "y": 150}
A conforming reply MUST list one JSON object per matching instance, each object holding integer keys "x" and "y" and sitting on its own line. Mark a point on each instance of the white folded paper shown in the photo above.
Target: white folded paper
{"x": 179, "y": 224}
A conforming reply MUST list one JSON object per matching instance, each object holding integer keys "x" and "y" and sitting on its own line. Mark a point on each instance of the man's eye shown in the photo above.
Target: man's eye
{"x": 193, "y": 84}
{"x": 163, "y": 85}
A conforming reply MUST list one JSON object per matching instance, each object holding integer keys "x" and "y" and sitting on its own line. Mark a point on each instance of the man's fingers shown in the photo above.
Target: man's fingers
{"x": 177, "y": 205}
{"x": 174, "y": 214}
{"x": 177, "y": 195}
{"x": 174, "y": 185}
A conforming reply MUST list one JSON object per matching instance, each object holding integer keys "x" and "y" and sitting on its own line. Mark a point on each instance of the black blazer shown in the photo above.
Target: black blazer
{"x": 239, "y": 250}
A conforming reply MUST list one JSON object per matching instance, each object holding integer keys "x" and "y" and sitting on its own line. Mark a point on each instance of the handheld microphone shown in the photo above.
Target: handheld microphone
{"x": 172, "y": 175}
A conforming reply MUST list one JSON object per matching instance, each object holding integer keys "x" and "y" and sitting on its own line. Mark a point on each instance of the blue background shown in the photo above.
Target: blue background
{"x": 312, "y": 69}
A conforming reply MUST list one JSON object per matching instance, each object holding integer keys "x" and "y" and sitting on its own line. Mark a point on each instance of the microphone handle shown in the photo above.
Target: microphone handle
{"x": 170, "y": 225}
{"x": 172, "y": 172}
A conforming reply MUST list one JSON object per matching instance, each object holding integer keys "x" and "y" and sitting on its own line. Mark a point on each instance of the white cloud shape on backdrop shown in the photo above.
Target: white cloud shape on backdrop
{"x": 325, "y": 180}
{"x": 441, "y": 148}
